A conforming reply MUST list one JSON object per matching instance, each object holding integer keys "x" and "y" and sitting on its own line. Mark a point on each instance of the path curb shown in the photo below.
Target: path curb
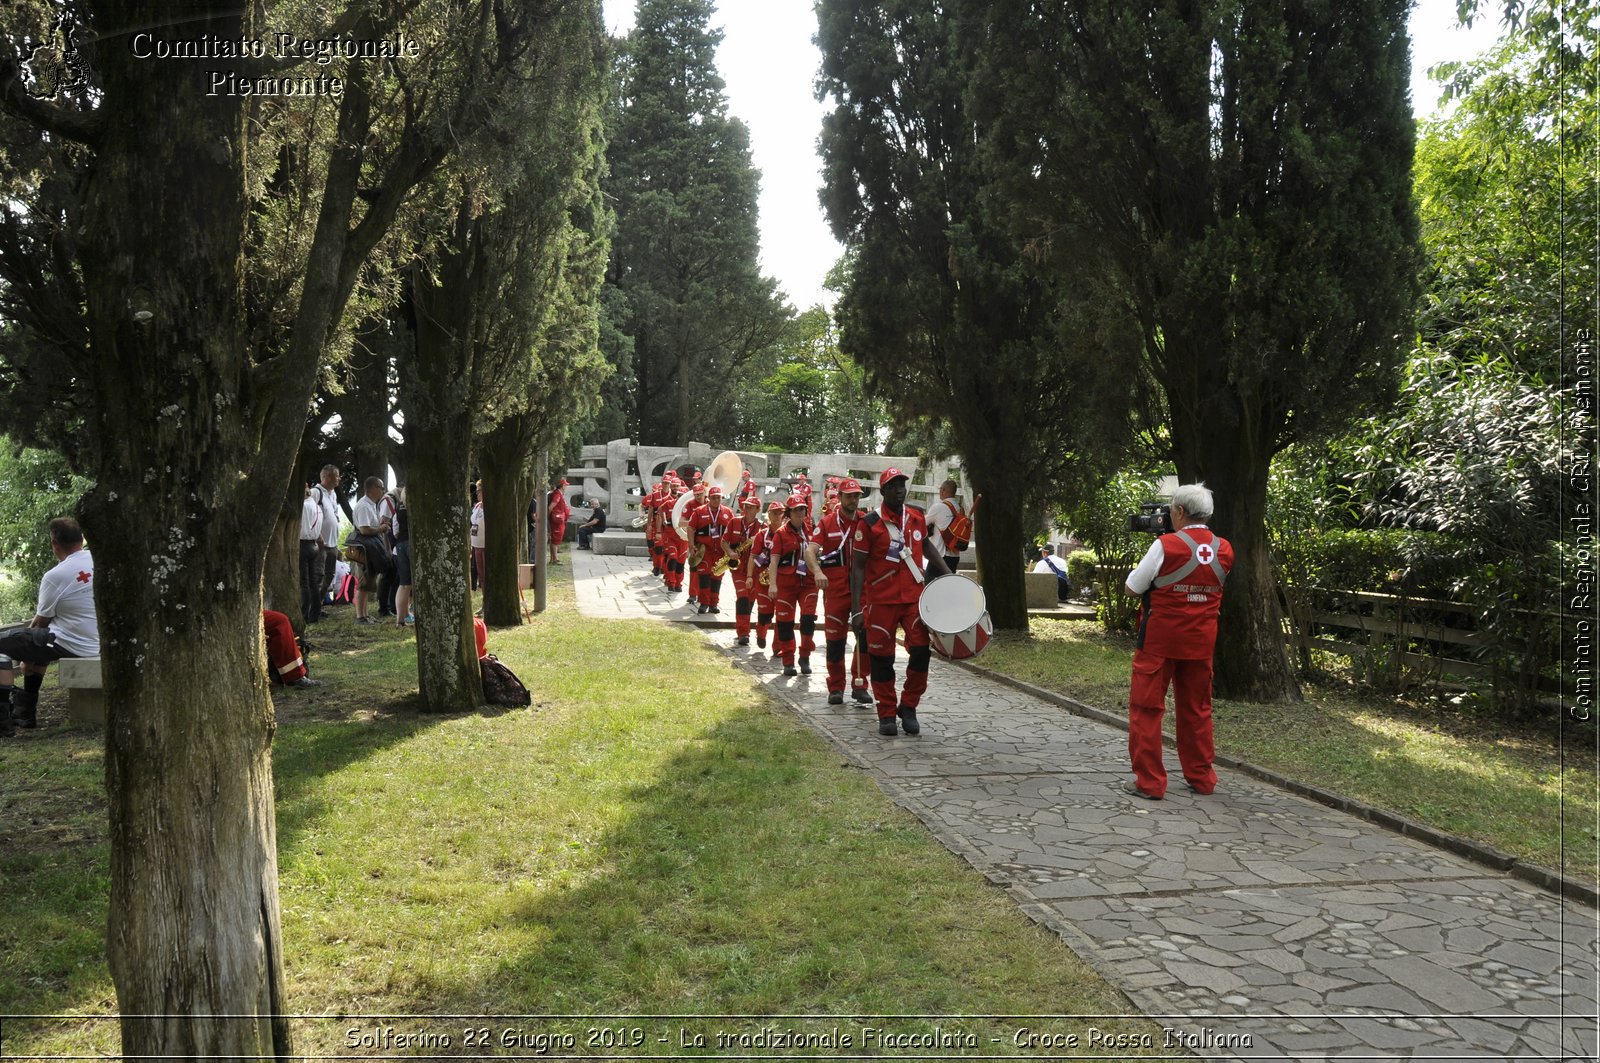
{"x": 1476, "y": 851}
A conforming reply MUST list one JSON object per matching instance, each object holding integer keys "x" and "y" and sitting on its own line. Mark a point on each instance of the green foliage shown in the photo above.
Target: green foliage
{"x": 685, "y": 259}
{"x": 815, "y": 399}
{"x": 1100, "y": 518}
{"x": 1081, "y": 567}
{"x": 35, "y": 487}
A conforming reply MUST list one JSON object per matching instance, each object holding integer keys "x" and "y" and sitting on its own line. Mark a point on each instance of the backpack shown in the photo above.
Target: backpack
{"x": 501, "y": 685}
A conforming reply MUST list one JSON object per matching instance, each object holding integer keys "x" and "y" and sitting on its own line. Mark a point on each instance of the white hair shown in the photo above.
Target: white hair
{"x": 1195, "y": 499}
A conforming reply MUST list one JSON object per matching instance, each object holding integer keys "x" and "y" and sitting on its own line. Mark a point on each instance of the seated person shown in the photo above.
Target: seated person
{"x": 595, "y": 523}
{"x": 286, "y": 664}
{"x": 65, "y": 626}
{"x": 1048, "y": 562}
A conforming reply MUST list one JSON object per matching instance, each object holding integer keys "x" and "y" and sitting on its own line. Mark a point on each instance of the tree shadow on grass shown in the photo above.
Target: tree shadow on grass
{"x": 55, "y": 854}
{"x": 750, "y": 873}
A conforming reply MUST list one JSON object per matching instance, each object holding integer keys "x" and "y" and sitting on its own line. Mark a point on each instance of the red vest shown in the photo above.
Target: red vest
{"x": 1180, "y": 608}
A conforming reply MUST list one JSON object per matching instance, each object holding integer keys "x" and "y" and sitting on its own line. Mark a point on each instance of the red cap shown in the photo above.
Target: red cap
{"x": 715, "y": 489}
{"x": 563, "y": 483}
{"x": 849, "y": 486}
{"x": 798, "y": 501}
{"x": 751, "y": 500}
{"x": 774, "y": 506}
{"x": 699, "y": 485}
{"x": 891, "y": 474}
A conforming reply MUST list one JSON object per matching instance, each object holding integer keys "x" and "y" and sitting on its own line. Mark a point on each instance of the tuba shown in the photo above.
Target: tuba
{"x": 727, "y": 470}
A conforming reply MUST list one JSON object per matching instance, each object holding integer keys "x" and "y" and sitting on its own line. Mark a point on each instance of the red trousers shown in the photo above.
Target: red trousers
{"x": 744, "y": 591}
{"x": 1191, "y": 698}
{"x": 283, "y": 652}
{"x": 835, "y": 629}
{"x": 882, "y": 621}
{"x": 795, "y": 592}
{"x": 709, "y": 586}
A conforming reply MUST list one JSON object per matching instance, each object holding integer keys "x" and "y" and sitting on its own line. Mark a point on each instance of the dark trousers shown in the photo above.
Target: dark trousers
{"x": 312, "y": 581}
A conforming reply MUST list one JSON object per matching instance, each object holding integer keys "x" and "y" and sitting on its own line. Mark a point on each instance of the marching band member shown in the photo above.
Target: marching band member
{"x": 647, "y": 509}
{"x": 692, "y": 560}
{"x": 708, "y": 525}
{"x": 737, "y": 542}
{"x": 791, "y": 577}
{"x": 761, "y": 551}
{"x": 886, "y": 578}
{"x": 831, "y": 553}
{"x": 674, "y": 547}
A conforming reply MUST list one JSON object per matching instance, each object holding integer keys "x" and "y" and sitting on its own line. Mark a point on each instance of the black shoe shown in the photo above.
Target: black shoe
{"x": 1133, "y": 788}
{"x": 805, "y": 666}
{"x": 701, "y": 610}
{"x": 862, "y": 694}
{"x": 886, "y": 726}
{"x": 761, "y": 642}
{"x": 714, "y": 609}
{"x": 789, "y": 670}
{"x": 836, "y": 698}
{"x": 742, "y": 640}
{"x": 908, "y": 720}
{"x": 305, "y": 681}
{"x": 25, "y": 708}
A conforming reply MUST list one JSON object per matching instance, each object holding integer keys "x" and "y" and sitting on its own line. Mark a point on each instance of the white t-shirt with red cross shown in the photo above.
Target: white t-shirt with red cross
{"x": 66, "y": 599}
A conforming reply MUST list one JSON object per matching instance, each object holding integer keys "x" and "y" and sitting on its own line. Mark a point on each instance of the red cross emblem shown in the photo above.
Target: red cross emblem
{"x": 83, "y": 577}
{"x": 1205, "y": 553}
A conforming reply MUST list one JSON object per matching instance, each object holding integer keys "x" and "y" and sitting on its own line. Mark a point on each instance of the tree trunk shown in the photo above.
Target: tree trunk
{"x": 194, "y": 939}
{"x": 998, "y": 532}
{"x": 1252, "y": 659}
{"x": 436, "y": 381}
{"x": 281, "y": 578}
{"x": 505, "y": 460}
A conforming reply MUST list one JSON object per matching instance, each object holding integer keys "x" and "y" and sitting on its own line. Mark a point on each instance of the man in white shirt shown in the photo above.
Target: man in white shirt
{"x": 65, "y": 626}
{"x": 1048, "y": 562}
{"x": 371, "y": 524}
{"x": 940, "y": 514}
{"x": 319, "y": 542}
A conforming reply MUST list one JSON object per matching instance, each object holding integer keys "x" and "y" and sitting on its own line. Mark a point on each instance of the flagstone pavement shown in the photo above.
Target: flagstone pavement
{"x": 1255, "y": 923}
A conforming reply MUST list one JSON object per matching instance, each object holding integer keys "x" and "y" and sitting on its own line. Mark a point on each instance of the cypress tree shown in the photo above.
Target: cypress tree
{"x": 685, "y": 255}
{"x": 1240, "y": 172}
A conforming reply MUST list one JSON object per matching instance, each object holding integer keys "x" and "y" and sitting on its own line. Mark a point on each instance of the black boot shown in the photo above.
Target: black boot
{"x": 7, "y": 730}
{"x": 25, "y": 707}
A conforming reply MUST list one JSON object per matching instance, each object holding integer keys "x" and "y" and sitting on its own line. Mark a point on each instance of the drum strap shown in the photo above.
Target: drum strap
{"x": 897, "y": 537}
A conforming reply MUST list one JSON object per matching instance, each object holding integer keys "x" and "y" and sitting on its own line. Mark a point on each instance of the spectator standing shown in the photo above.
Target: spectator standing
{"x": 65, "y": 625}
{"x": 940, "y": 516}
{"x": 370, "y": 524}
{"x": 325, "y": 495}
{"x": 478, "y": 536}
{"x": 560, "y": 510}
{"x": 312, "y": 586}
{"x": 387, "y": 509}
{"x": 402, "y": 560}
{"x": 593, "y": 526}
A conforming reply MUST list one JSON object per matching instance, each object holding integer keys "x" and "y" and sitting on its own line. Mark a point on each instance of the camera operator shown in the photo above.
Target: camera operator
{"x": 1180, "y": 581}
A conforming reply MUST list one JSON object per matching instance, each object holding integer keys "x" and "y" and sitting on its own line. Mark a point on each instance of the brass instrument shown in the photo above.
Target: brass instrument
{"x": 727, "y": 470}
{"x": 720, "y": 566}
{"x": 697, "y": 555}
{"x": 680, "y": 516}
{"x": 639, "y": 523}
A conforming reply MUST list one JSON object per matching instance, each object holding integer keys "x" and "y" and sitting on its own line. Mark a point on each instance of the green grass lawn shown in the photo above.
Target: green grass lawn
{"x": 653, "y": 837}
{"x": 1522, "y": 788}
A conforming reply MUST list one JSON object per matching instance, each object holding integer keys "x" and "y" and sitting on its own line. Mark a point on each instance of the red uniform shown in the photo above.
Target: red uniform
{"x": 742, "y": 530}
{"x": 283, "y": 650}
{"x": 674, "y": 548}
{"x": 796, "y": 590}
{"x": 1177, "y": 633}
{"x": 760, "y": 556}
{"x": 834, "y": 541}
{"x": 709, "y": 525}
{"x": 889, "y": 603}
{"x": 647, "y": 509}
{"x": 560, "y": 510}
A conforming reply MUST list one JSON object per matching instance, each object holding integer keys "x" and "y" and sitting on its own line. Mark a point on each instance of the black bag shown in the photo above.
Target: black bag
{"x": 376, "y": 559}
{"x": 501, "y": 685}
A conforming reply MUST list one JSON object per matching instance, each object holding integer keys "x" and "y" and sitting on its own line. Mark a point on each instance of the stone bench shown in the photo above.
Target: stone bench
{"x": 627, "y": 543}
{"x": 1040, "y": 589}
{"x": 86, "y": 698}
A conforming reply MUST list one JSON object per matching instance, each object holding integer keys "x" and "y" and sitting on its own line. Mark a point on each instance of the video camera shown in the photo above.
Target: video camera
{"x": 1154, "y": 518}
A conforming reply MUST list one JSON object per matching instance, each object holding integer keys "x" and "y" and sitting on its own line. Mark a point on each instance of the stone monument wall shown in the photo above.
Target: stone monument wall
{"x": 619, "y": 472}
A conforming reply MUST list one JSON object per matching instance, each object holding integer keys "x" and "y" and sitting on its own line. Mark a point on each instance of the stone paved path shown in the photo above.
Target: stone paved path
{"x": 1248, "y": 914}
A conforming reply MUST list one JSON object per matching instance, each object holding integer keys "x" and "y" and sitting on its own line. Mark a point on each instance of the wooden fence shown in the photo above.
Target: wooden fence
{"x": 1424, "y": 638}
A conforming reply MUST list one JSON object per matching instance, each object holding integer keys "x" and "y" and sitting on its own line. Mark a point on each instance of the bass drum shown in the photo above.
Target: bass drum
{"x": 956, "y": 613}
